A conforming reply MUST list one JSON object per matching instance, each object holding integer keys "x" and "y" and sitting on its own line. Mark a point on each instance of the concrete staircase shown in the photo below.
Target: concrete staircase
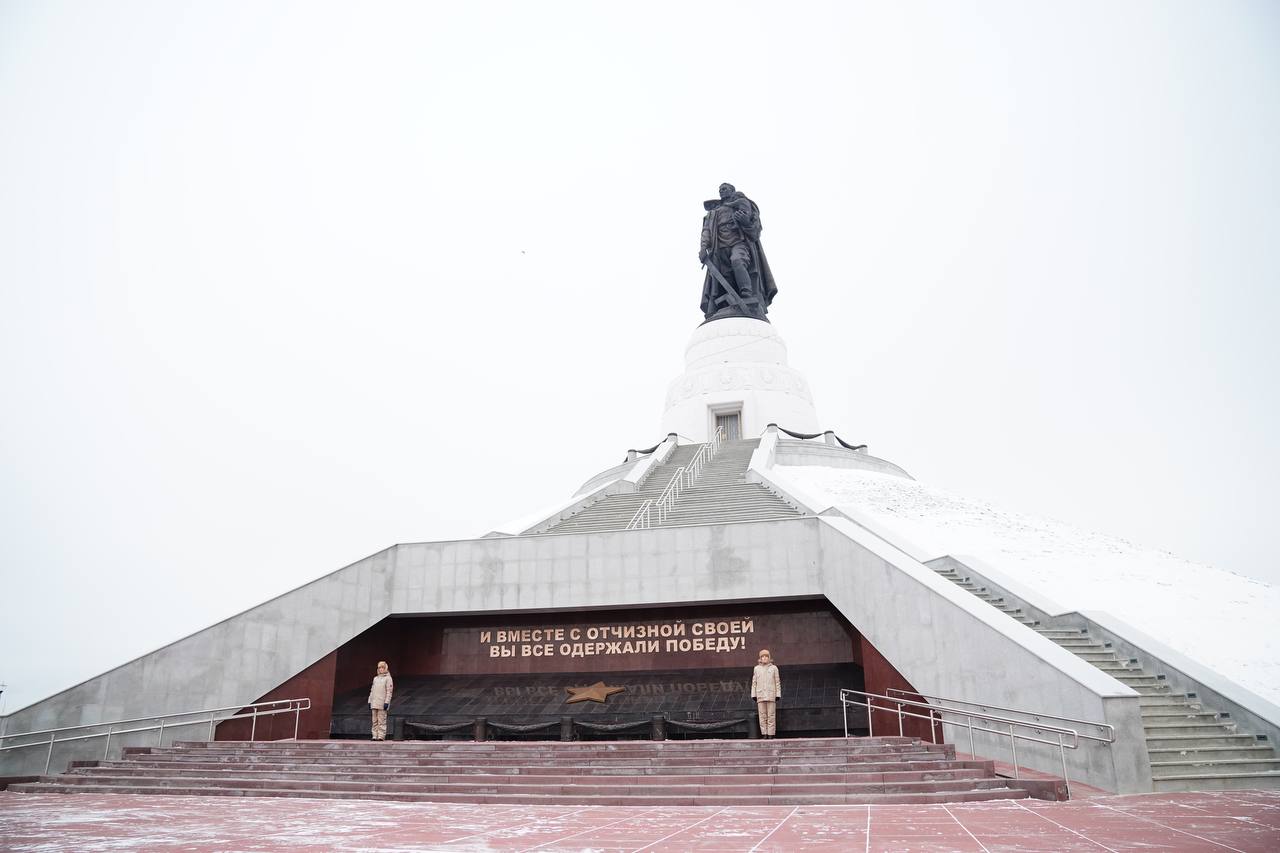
{"x": 721, "y": 493}
{"x": 798, "y": 771}
{"x": 1191, "y": 747}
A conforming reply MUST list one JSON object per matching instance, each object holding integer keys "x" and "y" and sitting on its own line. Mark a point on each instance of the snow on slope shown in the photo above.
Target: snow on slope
{"x": 1223, "y": 620}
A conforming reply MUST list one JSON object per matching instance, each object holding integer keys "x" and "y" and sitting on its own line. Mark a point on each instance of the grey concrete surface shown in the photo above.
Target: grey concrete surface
{"x": 814, "y": 452}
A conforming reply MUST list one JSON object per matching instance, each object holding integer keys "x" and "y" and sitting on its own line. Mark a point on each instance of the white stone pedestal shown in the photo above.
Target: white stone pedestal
{"x": 737, "y": 364}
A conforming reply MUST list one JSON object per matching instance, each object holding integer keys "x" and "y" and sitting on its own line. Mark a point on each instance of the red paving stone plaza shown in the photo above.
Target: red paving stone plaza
{"x": 1236, "y": 820}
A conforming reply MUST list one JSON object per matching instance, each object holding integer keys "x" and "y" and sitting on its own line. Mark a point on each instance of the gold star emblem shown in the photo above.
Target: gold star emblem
{"x": 597, "y": 692}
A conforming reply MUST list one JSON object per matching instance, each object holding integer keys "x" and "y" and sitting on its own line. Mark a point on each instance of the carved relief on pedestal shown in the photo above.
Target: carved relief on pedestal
{"x": 738, "y": 377}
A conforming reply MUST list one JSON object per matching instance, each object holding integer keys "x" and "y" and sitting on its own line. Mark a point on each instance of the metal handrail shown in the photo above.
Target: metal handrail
{"x": 667, "y": 500}
{"x": 704, "y": 455}
{"x": 641, "y": 519}
{"x": 294, "y": 706}
{"x": 682, "y": 479}
{"x": 1107, "y": 727}
{"x": 936, "y": 717}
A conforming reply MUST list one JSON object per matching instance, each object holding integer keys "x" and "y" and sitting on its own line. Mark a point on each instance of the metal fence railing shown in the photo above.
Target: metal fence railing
{"x": 1089, "y": 730}
{"x": 1013, "y": 724}
{"x": 167, "y": 722}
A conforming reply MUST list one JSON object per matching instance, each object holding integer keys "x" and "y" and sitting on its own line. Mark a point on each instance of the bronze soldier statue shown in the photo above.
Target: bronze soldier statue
{"x": 738, "y": 282}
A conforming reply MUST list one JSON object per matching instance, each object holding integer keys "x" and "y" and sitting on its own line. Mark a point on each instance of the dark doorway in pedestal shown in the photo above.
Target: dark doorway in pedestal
{"x": 731, "y": 423}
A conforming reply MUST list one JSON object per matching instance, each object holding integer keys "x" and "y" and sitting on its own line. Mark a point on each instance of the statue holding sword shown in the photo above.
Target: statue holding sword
{"x": 738, "y": 282}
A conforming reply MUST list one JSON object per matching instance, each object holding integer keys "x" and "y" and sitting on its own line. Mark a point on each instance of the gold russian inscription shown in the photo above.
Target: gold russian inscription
{"x": 707, "y": 636}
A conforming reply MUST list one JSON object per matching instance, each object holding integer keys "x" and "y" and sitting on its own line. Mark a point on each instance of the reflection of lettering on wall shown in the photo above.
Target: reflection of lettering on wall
{"x": 733, "y": 687}
{"x": 676, "y": 636}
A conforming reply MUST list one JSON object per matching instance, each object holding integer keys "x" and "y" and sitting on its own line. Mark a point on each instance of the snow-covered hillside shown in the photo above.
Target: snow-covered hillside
{"x": 1223, "y": 620}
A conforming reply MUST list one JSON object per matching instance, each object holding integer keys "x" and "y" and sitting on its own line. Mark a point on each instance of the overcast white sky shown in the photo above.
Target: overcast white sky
{"x": 284, "y": 284}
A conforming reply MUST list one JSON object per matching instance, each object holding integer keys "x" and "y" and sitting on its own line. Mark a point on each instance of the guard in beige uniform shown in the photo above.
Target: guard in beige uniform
{"x": 766, "y": 689}
{"x": 380, "y": 700}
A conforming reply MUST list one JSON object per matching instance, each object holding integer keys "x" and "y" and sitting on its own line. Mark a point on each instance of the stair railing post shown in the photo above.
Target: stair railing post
{"x": 667, "y": 499}
{"x": 253, "y": 729}
{"x": 297, "y": 719}
{"x": 1062, "y": 753}
{"x": 900, "y": 719}
{"x": 49, "y": 758}
{"x": 844, "y": 711}
{"x": 107, "y": 748}
{"x": 211, "y": 728}
{"x": 1013, "y": 747}
{"x": 160, "y": 740}
{"x": 972, "y": 752}
{"x": 641, "y": 519}
{"x": 871, "y": 731}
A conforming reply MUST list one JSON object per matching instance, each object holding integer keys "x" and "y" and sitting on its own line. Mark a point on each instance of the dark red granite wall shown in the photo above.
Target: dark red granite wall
{"x": 879, "y": 675}
{"x": 316, "y": 683}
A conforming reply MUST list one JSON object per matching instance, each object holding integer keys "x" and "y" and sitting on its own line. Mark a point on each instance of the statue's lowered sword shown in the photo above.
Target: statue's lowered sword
{"x": 728, "y": 291}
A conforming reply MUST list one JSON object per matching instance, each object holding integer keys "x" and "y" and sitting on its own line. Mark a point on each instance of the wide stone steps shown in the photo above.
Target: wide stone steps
{"x": 674, "y": 763}
{"x": 1164, "y": 699}
{"x": 720, "y": 493}
{"x": 1155, "y": 730}
{"x": 838, "y": 771}
{"x": 1095, "y": 656}
{"x": 888, "y": 762}
{"x": 1136, "y": 677}
{"x": 1198, "y": 741}
{"x": 1170, "y": 713}
{"x": 1211, "y": 754}
{"x": 478, "y": 775}
{"x": 589, "y": 786}
{"x": 749, "y": 494}
{"x": 1202, "y": 765}
{"x": 884, "y": 763}
{"x": 544, "y": 799}
{"x": 1216, "y": 779}
{"x": 1067, "y": 635}
{"x": 792, "y": 772}
{"x": 1191, "y": 747}
{"x": 639, "y": 753}
{"x": 1160, "y": 689}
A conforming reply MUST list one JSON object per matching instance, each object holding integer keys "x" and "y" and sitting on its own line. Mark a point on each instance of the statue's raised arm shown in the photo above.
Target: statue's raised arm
{"x": 738, "y": 281}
